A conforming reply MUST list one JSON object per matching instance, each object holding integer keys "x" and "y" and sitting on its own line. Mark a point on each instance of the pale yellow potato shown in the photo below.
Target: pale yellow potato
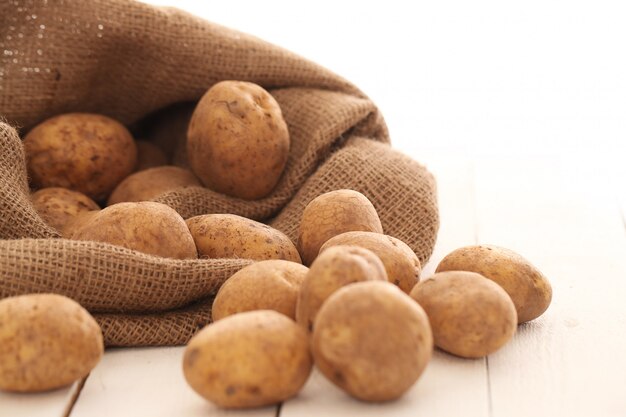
{"x": 372, "y": 340}
{"x": 232, "y": 236}
{"x": 336, "y": 267}
{"x": 265, "y": 285}
{"x": 149, "y": 155}
{"x": 529, "y": 289}
{"x": 402, "y": 265}
{"x": 250, "y": 359}
{"x": 237, "y": 141}
{"x": 47, "y": 341}
{"x": 59, "y": 206}
{"x": 470, "y": 316}
{"x": 84, "y": 152}
{"x": 150, "y": 183}
{"x": 147, "y": 227}
{"x": 332, "y": 214}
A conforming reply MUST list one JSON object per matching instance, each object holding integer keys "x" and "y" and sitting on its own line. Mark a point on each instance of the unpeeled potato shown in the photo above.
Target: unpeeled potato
{"x": 59, "y": 206}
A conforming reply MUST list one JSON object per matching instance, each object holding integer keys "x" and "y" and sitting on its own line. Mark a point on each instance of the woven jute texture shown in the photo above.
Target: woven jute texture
{"x": 146, "y": 67}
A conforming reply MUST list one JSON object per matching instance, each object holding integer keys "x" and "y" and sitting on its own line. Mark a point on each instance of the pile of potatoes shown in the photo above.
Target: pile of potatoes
{"x": 345, "y": 297}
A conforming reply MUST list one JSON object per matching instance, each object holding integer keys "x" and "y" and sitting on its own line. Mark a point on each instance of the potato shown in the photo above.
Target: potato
{"x": 336, "y": 267}
{"x": 77, "y": 223}
{"x": 470, "y": 315}
{"x": 46, "y": 341}
{"x": 58, "y": 206}
{"x": 332, "y": 214}
{"x": 529, "y": 289}
{"x": 148, "y": 227}
{"x": 232, "y": 236}
{"x": 250, "y": 359}
{"x": 237, "y": 141}
{"x": 402, "y": 265}
{"x": 265, "y": 285}
{"x": 89, "y": 153}
{"x": 151, "y": 183}
{"x": 372, "y": 340}
{"x": 149, "y": 155}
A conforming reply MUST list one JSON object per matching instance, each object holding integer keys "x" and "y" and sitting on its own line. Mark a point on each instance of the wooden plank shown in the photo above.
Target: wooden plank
{"x": 571, "y": 361}
{"x": 146, "y": 382}
{"x": 46, "y": 404}
{"x": 450, "y": 386}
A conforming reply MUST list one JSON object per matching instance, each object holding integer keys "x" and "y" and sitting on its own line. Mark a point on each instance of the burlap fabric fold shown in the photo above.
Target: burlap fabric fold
{"x": 133, "y": 61}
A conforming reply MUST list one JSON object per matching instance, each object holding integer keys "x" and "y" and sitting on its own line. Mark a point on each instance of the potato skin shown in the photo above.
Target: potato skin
{"x": 529, "y": 289}
{"x": 402, "y": 265}
{"x": 46, "y": 341}
{"x": 147, "y": 227}
{"x": 149, "y": 155}
{"x": 331, "y": 214}
{"x": 84, "y": 152}
{"x": 250, "y": 359}
{"x": 470, "y": 316}
{"x": 237, "y": 141}
{"x": 336, "y": 267}
{"x": 372, "y": 340}
{"x": 151, "y": 183}
{"x": 58, "y": 206}
{"x": 265, "y": 285}
{"x": 232, "y": 236}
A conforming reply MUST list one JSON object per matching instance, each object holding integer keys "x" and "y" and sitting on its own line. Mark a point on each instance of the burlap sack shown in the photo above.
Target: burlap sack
{"x": 129, "y": 60}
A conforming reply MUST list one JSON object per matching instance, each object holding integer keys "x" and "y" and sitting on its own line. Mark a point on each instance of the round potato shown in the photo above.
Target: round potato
{"x": 250, "y": 359}
{"x": 372, "y": 340}
{"x": 336, "y": 267}
{"x": 77, "y": 223}
{"x": 232, "y": 236}
{"x": 529, "y": 289}
{"x": 46, "y": 341}
{"x": 238, "y": 142}
{"x": 265, "y": 285}
{"x": 402, "y": 265}
{"x": 148, "y": 227}
{"x": 331, "y": 214}
{"x": 152, "y": 182}
{"x": 58, "y": 206}
{"x": 89, "y": 153}
{"x": 149, "y": 155}
{"x": 470, "y": 315}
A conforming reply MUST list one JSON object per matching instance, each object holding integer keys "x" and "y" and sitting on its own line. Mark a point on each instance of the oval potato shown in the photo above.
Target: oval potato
{"x": 372, "y": 340}
{"x": 265, "y": 285}
{"x": 470, "y": 316}
{"x": 250, "y": 359}
{"x": 529, "y": 289}
{"x": 58, "y": 206}
{"x": 46, "y": 341}
{"x": 331, "y": 214}
{"x": 232, "y": 236}
{"x": 238, "y": 142}
{"x": 402, "y": 265}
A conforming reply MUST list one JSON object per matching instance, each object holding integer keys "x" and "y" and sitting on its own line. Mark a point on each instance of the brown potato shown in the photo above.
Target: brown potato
{"x": 152, "y": 182}
{"x": 46, "y": 341}
{"x": 336, "y": 267}
{"x": 148, "y": 227}
{"x": 58, "y": 206}
{"x": 77, "y": 223}
{"x": 470, "y": 315}
{"x": 372, "y": 340}
{"x": 231, "y": 236}
{"x": 331, "y": 214}
{"x": 250, "y": 359}
{"x": 149, "y": 155}
{"x": 238, "y": 142}
{"x": 529, "y": 289}
{"x": 89, "y": 153}
{"x": 402, "y": 265}
{"x": 265, "y": 285}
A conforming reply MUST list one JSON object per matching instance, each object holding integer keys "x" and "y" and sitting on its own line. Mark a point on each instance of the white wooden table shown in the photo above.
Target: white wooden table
{"x": 570, "y": 362}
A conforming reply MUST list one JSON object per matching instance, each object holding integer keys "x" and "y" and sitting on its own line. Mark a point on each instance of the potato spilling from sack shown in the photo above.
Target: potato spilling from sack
{"x": 59, "y": 206}
{"x": 47, "y": 341}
